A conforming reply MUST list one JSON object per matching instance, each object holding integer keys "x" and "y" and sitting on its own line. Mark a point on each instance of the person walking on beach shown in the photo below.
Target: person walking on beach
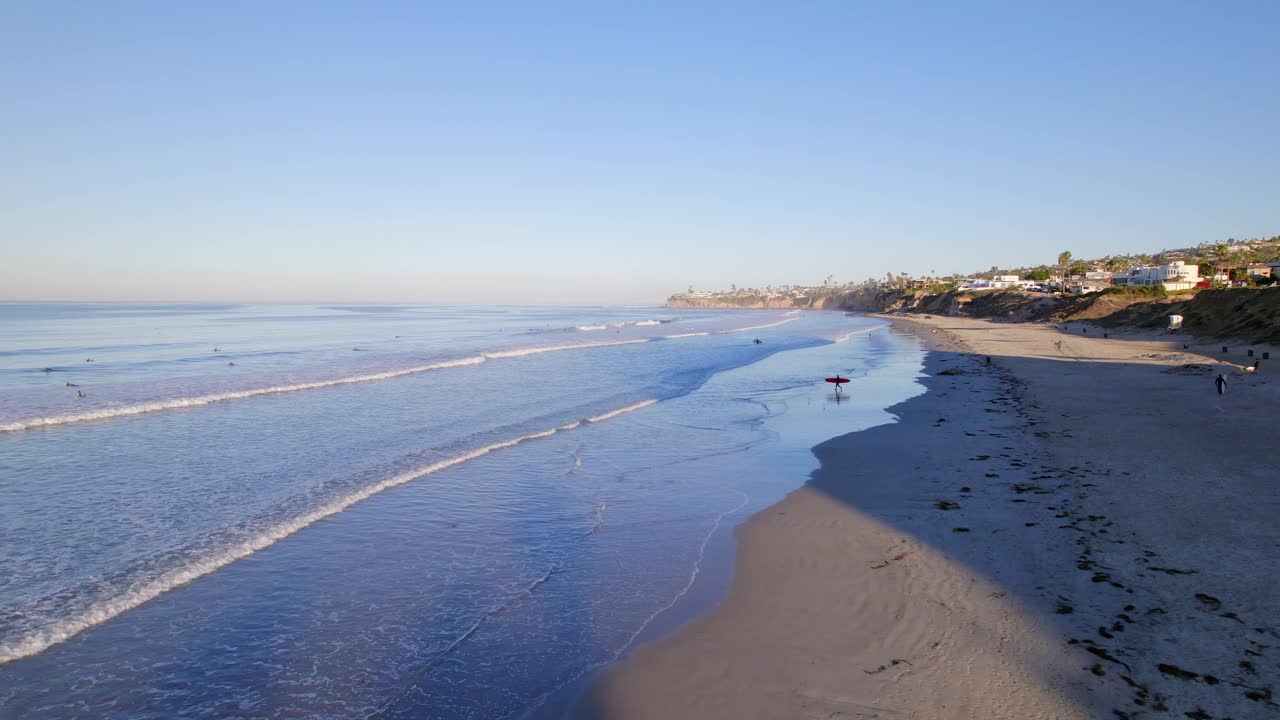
{"x": 1221, "y": 382}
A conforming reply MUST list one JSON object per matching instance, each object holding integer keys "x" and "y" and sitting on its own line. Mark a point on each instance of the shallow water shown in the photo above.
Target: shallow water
{"x": 388, "y": 511}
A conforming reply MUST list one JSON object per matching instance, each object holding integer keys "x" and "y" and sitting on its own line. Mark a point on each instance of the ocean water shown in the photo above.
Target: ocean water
{"x": 353, "y": 511}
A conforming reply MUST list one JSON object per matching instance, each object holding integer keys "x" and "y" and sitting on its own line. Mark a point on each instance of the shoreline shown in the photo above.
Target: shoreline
{"x": 992, "y": 555}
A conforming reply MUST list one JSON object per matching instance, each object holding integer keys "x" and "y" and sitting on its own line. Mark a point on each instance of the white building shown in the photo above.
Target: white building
{"x": 999, "y": 282}
{"x": 1177, "y": 275}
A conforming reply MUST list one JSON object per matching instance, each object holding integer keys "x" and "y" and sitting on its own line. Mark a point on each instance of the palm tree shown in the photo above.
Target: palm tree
{"x": 1064, "y": 259}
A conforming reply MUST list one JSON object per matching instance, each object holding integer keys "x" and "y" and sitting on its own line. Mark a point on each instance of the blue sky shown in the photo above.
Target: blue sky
{"x": 560, "y": 152}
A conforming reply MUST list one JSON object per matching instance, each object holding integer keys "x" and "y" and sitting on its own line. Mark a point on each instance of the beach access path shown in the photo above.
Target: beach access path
{"x": 1076, "y": 527}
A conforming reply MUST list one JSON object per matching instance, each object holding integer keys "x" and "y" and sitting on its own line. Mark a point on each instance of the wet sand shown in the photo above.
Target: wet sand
{"x": 1080, "y": 527}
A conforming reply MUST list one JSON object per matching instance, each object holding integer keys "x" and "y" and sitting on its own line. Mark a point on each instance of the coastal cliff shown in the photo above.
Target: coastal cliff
{"x": 858, "y": 299}
{"x": 1253, "y": 314}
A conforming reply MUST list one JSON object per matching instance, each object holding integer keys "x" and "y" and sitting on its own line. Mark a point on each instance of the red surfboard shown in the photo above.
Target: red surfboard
{"x": 837, "y": 380}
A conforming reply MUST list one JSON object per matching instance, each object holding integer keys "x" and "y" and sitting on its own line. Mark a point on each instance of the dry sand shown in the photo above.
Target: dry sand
{"x": 1079, "y": 528}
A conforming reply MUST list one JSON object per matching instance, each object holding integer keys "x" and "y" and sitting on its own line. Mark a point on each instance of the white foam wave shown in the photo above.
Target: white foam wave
{"x": 759, "y": 327}
{"x": 552, "y": 348}
{"x": 62, "y": 630}
{"x": 841, "y": 337}
{"x": 628, "y": 323}
{"x": 619, "y": 411}
{"x": 199, "y": 400}
{"x": 680, "y": 335}
{"x": 187, "y": 402}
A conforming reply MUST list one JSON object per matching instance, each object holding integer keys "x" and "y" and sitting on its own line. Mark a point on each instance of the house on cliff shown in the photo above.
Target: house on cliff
{"x": 1177, "y": 275}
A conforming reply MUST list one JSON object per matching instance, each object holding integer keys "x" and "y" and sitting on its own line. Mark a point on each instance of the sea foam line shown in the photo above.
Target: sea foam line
{"x": 725, "y": 332}
{"x": 759, "y": 327}
{"x": 627, "y": 323}
{"x": 693, "y": 577}
{"x": 551, "y": 348}
{"x": 408, "y": 686}
{"x": 620, "y": 651}
{"x": 40, "y": 640}
{"x": 855, "y": 331}
{"x": 199, "y": 400}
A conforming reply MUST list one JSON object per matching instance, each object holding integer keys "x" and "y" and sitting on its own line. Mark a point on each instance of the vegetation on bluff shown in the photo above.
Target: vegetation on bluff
{"x": 1208, "y": 312}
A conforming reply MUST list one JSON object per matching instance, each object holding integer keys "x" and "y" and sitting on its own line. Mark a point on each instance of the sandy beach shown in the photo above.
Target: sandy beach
{"x": 1063, "y": 526}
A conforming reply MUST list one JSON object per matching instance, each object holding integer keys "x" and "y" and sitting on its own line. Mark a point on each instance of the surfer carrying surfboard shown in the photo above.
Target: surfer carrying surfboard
{"x": 837, "y": 381}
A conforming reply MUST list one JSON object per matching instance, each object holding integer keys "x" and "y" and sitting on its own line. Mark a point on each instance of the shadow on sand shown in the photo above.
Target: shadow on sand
{"x": 1121, "y": 511}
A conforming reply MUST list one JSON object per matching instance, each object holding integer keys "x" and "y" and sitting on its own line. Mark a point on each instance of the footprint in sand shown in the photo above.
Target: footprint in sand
{"x": 1210, "y": 603}
{"x": 876, "y": 565}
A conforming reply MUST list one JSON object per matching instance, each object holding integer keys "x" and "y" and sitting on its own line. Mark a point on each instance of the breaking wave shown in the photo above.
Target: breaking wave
{"x": 199, "y": 400}
{"x": 143, "y": 591}
{"x": 629, "y": 323}
{"x": 759, "y": 327}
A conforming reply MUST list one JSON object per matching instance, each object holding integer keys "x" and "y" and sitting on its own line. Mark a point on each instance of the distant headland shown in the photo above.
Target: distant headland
{"x": 1228, "y": 289}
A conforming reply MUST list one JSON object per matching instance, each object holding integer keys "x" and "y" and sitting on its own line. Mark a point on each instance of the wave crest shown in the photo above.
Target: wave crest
{"x": 100, "y": 612}
{"x": 107, "y": 413}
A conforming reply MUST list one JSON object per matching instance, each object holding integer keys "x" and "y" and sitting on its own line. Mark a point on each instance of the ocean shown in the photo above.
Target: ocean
{"x": 358, "y": 511}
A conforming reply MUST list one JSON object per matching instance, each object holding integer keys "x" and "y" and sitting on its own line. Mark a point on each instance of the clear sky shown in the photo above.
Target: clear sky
{"x": 546, "y": 152}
